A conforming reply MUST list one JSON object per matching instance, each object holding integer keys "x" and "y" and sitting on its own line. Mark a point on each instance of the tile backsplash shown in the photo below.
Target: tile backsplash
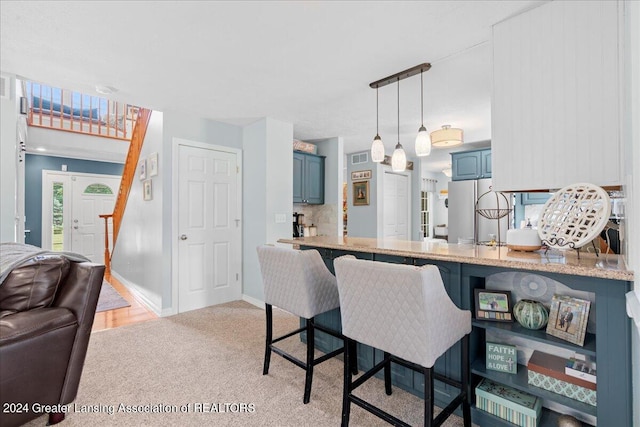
{"x": 325, "y": 217}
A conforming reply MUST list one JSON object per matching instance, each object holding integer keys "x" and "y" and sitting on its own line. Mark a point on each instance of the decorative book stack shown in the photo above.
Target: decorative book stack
{"x": 517, "y": 407}
{"x": 548, "y": 372}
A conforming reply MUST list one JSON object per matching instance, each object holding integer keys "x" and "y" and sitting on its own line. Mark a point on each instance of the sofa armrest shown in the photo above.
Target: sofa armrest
{"x": 79, "y": 294}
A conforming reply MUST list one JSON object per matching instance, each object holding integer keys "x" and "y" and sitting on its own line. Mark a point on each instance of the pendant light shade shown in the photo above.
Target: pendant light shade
{"x": 446, "y": 137}
{"x": 399, "y": 158}
{"x": 423, "y": 144}
{"x": 377, "y": 150}
{"x": 377, "y": 147}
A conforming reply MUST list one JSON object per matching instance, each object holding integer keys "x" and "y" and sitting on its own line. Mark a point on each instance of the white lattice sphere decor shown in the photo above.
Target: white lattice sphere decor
{"x": 574, "y": 216}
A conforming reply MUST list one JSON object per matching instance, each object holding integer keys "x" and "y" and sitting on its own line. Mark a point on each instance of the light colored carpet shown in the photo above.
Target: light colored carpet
{"x": 214, "y": 356}
{"x": 110, "y": 299}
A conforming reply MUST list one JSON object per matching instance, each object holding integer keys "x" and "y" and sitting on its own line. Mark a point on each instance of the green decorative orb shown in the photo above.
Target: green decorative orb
{"x": 531, "y": 314}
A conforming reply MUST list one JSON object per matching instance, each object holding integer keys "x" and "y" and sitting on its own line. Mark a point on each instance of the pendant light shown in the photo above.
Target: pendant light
{"x": 377, "y": 147}
{"x": 423, "y": 143}
{"x": 399, "y": 158}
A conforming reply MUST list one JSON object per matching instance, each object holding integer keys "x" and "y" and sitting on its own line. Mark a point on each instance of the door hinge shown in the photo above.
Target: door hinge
{"x": 237, "y": 276}
{"x": 237, "y": 169}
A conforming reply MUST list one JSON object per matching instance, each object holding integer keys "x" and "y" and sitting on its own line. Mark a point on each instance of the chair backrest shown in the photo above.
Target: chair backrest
{"x": 401, "y": 309}
{"x": 297, "y": 281}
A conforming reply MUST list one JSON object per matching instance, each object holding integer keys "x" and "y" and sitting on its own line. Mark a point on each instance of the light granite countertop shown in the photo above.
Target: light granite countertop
{"x": 554, "y": 261}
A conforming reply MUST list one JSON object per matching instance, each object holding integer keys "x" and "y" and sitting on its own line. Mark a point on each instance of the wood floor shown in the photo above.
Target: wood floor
{"x": 137, "y": 312}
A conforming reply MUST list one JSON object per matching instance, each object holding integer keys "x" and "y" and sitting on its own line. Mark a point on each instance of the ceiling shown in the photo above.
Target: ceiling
{"x": 306, "y": 63}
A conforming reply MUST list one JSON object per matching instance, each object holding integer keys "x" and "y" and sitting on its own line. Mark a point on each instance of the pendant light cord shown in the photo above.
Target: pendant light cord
{"x": 421, "y": 101}
{"x": 398, "y": 110}
{"x": 377, "y": 114}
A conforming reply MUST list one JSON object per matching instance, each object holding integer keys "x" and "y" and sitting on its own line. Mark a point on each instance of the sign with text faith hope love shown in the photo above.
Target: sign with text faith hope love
{"x": 502, "y": 357}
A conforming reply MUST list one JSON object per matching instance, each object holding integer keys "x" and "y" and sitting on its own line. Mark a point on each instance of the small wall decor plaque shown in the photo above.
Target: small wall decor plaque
{"x": 357, "y": 175}
{"x": 502, "y": 357}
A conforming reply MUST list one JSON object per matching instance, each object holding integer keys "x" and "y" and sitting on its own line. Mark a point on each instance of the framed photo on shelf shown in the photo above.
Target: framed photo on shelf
{"x": 361, "y": 193}
{"x": 493, "y": 305}
{"x": 568, "y": 318}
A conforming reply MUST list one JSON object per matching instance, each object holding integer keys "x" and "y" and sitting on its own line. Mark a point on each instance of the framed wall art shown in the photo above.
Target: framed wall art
{"x": 152, "y": 164}
{"x": 493, "y": 305}
{"x": 357, "y": 175}
{"x": 147, "y": 190}
{"x": 568, "y": 318}
{"x": 361, "y": 193}
{"x": 142, "y": 169}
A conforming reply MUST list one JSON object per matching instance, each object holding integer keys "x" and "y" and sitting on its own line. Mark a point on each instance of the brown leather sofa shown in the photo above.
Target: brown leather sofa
{"x": 47, "y": 306}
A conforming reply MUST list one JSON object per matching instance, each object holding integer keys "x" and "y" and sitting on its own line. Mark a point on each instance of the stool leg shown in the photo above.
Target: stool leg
{"x": 346, "y": 388}
{"x": 310, "y": 351}
{"x": 428, "y": 397}
{"x": 268, "y": 309}
{"x": 353, "y": 360}
{"x": 466, "y": 385}
{"x": 387, "y": 373}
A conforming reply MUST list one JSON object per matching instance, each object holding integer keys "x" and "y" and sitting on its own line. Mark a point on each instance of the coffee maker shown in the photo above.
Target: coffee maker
{"x": 298, "y": 224}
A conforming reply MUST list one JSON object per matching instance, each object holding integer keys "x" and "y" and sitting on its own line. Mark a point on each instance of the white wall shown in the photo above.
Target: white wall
{"x": 333, "y": 150}
{"x": 268, "y": 183}
{"x": 137, "y": 257}
{"x": 8, "y": 158}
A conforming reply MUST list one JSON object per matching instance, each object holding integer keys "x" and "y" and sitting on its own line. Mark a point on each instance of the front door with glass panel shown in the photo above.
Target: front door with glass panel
{"x": 71, "y": 205}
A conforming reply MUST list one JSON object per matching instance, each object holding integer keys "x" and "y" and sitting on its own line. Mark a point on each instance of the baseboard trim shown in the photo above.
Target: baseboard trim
{"x": 137, "y": 292}
{"x": 253, "y": 301}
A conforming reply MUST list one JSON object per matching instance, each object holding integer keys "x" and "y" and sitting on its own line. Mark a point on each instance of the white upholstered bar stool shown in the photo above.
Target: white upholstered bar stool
{"x": 406, "y": 312}
{"x": 300, "y": 283}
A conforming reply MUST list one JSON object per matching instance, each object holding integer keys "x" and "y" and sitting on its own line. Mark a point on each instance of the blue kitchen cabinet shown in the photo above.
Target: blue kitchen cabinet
{"x": 535, "y": 198}
{"x": 475, "y": 164}
{"x": 308, "y": 178}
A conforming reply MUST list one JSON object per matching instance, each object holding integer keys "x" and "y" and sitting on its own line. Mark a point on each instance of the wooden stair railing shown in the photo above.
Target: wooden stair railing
{"x": 128, "y": 175}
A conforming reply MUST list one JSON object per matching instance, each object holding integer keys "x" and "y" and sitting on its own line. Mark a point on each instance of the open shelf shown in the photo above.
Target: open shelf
{"x": 520, "y": 381}
{"x": 548, "y": 418}
{"x": 540, "y": 335}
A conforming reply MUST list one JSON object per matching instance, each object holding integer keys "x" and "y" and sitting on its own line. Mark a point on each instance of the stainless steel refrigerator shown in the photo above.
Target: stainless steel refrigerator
{"x": 465, "y": 222}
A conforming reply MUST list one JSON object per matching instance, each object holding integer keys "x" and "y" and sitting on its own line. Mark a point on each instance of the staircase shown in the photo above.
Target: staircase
{"x": 128, "y": 175}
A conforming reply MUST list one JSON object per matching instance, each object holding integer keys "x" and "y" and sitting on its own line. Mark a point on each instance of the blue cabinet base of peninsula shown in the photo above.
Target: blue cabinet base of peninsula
{"x": 612, "y": 346}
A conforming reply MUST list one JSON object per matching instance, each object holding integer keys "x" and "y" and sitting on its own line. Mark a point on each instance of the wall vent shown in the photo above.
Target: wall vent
{"x": 4, "y": 87}
{"x": 359, "y": 158}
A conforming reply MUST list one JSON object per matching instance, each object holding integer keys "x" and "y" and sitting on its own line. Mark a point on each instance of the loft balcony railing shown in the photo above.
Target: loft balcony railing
{"x": 70, "y": 111}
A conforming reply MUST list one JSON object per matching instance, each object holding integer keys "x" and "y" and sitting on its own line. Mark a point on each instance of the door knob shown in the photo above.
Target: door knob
{"x": 183, "y": 237}
{"x": 75, "y": 227}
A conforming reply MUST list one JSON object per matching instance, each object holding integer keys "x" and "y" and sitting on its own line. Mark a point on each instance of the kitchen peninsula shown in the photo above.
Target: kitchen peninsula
{"x": 465, "y": 268}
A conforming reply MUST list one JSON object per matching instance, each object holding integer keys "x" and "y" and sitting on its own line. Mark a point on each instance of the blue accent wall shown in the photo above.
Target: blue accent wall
{"x": 34, "y": 165}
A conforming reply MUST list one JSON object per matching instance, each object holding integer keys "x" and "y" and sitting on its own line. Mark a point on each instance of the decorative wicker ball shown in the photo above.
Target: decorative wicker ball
{"x": 531, "y": 314}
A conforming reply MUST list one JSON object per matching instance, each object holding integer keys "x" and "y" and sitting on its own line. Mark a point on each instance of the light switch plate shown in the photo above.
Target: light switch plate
{"x": 281, "y": 218}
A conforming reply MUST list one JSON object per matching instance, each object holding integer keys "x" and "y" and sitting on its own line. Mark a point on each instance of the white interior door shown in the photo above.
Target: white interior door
{"x": 92, "y": 196}
{"x": 396, "y": 206}
{"x": 209, "y": 258}
{"x": 71, "y": 203}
